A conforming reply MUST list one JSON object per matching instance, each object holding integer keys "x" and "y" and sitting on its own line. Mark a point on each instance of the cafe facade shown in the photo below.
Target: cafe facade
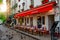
{"x": 41, "y": 15}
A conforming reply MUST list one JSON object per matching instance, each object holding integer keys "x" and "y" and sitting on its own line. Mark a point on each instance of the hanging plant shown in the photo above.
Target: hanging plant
{"x": 44, "y": 1}
{"x": 1, "y": 1}
{"x": 14, "y": 6}
{"x": 31, "y": 6}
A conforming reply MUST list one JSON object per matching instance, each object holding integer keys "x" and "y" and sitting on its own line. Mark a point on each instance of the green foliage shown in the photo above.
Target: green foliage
{"x": 14, "y": 6}
{"x": 1, "y": 1}
{"x": 2, "y": 17}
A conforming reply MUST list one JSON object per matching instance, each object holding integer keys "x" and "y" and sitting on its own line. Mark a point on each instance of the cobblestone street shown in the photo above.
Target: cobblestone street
{"x": 13, "y": 35}
{"x": 7, "y": 31}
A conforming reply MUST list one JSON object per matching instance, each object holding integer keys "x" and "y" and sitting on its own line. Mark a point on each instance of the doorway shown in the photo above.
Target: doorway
{"x": 50, "y": 20}
{"x": 39, "y": 22}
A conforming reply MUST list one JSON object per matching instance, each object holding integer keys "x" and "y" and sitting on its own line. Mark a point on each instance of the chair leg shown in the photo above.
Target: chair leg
{"x": 40, "y": 33}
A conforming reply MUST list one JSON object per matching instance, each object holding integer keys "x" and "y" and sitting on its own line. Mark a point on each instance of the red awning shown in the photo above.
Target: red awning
{"x": 40, "y": 9}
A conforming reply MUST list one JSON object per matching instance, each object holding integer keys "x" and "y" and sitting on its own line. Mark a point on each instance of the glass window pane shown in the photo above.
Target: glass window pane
{"x": 43, "y": 20}
{"x": 27, "y": 20}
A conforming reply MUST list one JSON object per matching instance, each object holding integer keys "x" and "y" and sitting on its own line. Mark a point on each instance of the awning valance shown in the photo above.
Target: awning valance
{"x": 43, "y": 8}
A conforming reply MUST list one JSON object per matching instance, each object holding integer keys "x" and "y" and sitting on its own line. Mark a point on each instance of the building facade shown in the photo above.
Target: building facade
{"x": 8, "y": 8}
{"x": 36, "y": 13}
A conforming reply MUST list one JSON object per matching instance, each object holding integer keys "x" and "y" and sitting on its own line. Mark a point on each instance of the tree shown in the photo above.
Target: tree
{"x": 1, "y": 1}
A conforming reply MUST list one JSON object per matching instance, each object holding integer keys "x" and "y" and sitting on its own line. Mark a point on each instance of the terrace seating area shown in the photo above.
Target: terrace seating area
{"x": 33, "y": 30}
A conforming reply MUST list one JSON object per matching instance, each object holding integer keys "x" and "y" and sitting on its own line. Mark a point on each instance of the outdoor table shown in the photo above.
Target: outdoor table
{"x": 44, "y": 32}
{"x": 31, "y": 30}
{"x": 27, "y": 28}
{"x": 24, "y": 28}
{"x": 36, "y": 31}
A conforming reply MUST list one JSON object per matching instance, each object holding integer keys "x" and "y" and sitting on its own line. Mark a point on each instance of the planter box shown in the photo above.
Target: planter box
{"x": 45, "y": 1}
{"x": 31, "y": 6}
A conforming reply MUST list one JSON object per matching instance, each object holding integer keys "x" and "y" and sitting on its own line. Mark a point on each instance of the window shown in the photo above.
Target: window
{"x": 23, "y": 4}
{"x": 43, "y": 20}
{"x": 27, "y": 20}
{"x": 57, "y": 1}
{"x": 31, "y": 21}
{"x": 49, "y": 0}
{"x": 32, "y": 3}
{"x": 19, "y": 6}
{"x": 39, "y": 19}
{"x": 14, "y": 1}
{"x": 23, "y": 20}
{"x": 18, "y": 0}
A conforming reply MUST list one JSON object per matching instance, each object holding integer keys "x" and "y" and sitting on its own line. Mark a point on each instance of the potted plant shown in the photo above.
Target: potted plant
{"x": 31, "y": 6}
{"x": 44, "y": 1}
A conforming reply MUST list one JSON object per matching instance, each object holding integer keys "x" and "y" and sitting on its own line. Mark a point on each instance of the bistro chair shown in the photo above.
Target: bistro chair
{"x": 35, "y": 31}
{"x": 44, "y": 31}
{"x": 24, "y": 28}
{"x": 31, "y": 30}
{"x": 27, "y": 29}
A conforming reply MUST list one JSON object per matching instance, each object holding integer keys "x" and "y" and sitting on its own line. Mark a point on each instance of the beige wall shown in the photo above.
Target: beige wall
{"x": 46, "y": 21}
{"x": 34, "y": 21}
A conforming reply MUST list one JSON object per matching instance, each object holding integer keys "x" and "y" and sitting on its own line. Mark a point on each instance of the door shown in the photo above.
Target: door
{"x": 50, "y": 20}
{"x": 39, "y": 22}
